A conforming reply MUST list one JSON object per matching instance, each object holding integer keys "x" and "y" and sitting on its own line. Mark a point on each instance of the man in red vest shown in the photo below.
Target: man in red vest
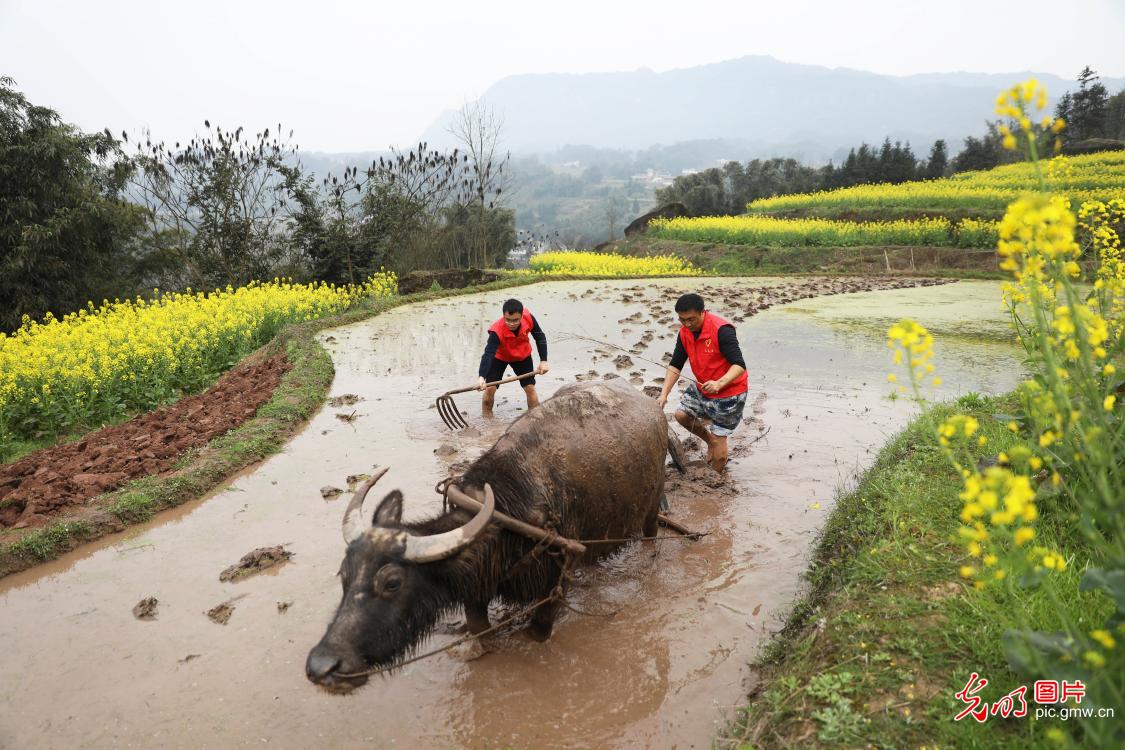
{"x": 711, "y": 408}
{"x": 508, "y": 345}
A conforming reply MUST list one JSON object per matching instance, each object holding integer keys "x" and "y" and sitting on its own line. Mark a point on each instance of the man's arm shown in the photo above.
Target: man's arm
{"x": 540, "y": 344}
{"x": 675, "y": 367}
{"x": 732, "y": 352}
{"x": 486, "y": 359}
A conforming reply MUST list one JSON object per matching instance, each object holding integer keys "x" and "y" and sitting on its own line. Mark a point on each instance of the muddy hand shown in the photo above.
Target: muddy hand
{"x": 544, "y": 368}
{"x": 480, "y": 384}
{"x": 711, "y": 386}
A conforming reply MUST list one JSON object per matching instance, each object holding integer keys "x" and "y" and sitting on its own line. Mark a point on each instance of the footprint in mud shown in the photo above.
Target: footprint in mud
{"x": 610, "y": 376}
{"x": 347, "y": 399}
{"x": 588, "y": 375}
{"x": 636, "y": 381}
{"x": 445, "y": 449}
{"x": 622, "y": 361}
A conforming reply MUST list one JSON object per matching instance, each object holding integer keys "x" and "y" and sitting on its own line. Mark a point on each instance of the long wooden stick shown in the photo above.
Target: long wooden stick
{"x": 461, "y": 500}
{"x": 676, "y": 526}
{"x": 489, "y": 385}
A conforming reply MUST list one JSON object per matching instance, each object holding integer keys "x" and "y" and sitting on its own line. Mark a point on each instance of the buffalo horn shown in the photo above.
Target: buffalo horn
{"x": 353, "y": 516}
{"x": 424, "y": 549}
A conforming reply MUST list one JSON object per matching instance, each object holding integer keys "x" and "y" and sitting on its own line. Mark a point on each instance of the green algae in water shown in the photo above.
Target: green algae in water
{"x": 970, "y": 310}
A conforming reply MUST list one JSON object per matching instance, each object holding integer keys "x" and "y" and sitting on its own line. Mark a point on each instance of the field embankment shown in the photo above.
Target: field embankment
{"x": 758, "y": 260}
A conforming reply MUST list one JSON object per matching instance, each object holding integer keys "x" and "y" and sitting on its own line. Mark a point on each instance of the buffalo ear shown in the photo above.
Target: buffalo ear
{"x": 389, "y": 511}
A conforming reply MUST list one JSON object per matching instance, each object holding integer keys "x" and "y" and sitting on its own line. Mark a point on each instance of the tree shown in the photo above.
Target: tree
{"x": 1115, "y": 116}
{"x": 938, "y": 162}
{"x": 985, "y": 152}
{"x": 67, "y": 234}
{"x": 224, "y": 203}
{"x": 1087, "y": 108}
{"x": 612, "y": 215}
{"x": 479, "y": 129}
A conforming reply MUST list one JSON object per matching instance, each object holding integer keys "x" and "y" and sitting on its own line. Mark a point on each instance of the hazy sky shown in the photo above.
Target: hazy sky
{"x": 352, "y": 76}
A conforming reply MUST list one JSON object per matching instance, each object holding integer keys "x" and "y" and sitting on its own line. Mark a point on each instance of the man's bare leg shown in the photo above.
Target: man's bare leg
{"x": 697, "y": 427}
{"x": 487, "y": 401}
{"x": 718, "y": 453}
{"x": 532, "y": 396}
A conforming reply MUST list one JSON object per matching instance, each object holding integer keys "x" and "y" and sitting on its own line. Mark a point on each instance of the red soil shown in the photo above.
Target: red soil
{"x": 53, "y": 480}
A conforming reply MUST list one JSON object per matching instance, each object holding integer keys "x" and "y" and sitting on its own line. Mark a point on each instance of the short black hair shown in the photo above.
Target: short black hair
{"x": 513, "y": 306}
{"x": 689, "y": 303}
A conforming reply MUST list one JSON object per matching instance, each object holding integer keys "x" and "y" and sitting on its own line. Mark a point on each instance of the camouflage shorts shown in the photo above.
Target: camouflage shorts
{"x": 724, "y": 413}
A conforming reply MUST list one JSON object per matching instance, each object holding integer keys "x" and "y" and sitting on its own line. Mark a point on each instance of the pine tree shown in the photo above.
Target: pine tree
{"x": 1088, "y": 107}
{"x": 938, "y": 161}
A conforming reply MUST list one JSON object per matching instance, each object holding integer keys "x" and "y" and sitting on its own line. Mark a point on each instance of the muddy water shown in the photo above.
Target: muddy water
{"x": 665, "y": 671}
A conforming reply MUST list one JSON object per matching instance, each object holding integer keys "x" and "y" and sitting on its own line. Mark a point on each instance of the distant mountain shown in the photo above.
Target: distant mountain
{"x": 781, "y": 109}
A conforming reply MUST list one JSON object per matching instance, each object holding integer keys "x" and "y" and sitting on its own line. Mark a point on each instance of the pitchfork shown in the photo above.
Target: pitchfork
{"x": 448, "y": 410}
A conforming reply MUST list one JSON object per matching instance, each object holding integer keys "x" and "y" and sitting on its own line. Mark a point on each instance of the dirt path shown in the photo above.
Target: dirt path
{"x": 661, "y": 672}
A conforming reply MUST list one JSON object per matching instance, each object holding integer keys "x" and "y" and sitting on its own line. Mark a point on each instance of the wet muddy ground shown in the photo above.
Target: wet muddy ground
{"x": 665, "y": 670}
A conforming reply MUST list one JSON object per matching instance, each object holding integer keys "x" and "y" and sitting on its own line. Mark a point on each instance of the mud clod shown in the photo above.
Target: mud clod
{"x": 221, "y": 614}
{"x": 146, "y": 608}
{"x": 347, "y": 399}
{"x": 623, "y": 361}
{"x": 354, "y": 479}
{"x": 283, "y": 607}
{"x": 255, "y": 562}
{"x": 328, "y": 492}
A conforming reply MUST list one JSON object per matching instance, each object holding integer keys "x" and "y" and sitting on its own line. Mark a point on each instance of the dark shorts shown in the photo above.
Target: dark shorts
{"x": 496, "y": 370}
{"x": 724, "y": 413}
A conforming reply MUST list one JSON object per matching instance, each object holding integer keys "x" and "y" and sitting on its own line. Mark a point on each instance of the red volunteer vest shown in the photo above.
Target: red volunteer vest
{"x": 514, "y": 347}
{"x": 707, "y": 362}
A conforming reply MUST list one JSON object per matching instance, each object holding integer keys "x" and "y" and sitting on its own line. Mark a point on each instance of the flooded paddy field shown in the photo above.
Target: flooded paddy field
{"x": 664, "y": 670}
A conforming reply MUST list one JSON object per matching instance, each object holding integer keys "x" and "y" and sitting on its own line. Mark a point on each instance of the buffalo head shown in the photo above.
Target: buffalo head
{"x": 390, "y": 600}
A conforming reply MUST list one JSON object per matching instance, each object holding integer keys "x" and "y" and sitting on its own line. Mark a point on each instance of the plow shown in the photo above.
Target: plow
{"x": 447, "y": 408}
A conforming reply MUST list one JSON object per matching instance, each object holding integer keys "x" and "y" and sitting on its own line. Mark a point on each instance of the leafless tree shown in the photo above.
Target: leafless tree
{"x": 479, "y": 129}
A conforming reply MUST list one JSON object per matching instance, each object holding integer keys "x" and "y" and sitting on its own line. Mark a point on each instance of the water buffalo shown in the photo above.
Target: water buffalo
{"x": 588, "y": 462}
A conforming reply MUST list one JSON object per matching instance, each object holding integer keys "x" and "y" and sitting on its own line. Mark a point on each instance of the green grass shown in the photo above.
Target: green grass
{"x": 44, "y": 544}
{"x": 887, "y": 633}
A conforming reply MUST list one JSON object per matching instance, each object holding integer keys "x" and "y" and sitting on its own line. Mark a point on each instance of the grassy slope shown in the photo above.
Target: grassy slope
{"x": 873, "y": 654}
